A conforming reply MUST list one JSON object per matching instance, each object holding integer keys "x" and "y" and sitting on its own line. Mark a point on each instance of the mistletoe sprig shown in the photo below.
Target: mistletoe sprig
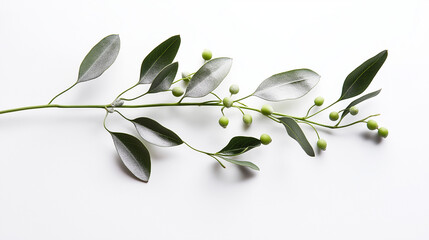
{"x": 159, "y": 71}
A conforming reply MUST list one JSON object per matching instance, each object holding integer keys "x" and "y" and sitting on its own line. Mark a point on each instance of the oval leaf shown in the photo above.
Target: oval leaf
{"x": 208, "y": 77}
{"x": 238, "y": 145}
{"x": 133, "y": 154}
{"x": 287, "y": 85}
{"x": 358, "y": 80}
{"x": 296, "y": 133}
{"x": 164, "y": 79}
{"x": 359, "y": 100}
{"x": 153, "y": 132}
{"x": 100, "y": 58}
{"x": 160, "y": 57}
{"x": 242, "y": 163}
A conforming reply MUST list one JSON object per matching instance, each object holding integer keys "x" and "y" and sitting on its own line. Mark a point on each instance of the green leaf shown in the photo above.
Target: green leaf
{"x": 296, "y": 133}
{"x": 133, "y": 154}
{"x": 360, "y": 78}
{"x": 238, "y": 145}
{"x": 100, "y": 58}
{"x": 164, "y": 79}
{"x": 359, "y": 100}
{"x": 287, "y": 85}
{"x": 153, "y": 132}
{"x": 241, "y": 163}
{"x": 160, "y": 57}
{"x": 208, "y": 77}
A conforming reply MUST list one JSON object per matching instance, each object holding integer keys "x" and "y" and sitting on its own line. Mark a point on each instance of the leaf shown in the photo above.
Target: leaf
{"x": 100, "y": 58}
{"x": 287, "y": 85}
{"x": 241, "y": 163}
{"x": 164, "y": 79}
{"x": 133, "y": 154}
{"x": 359, "y": 100}
{"x": 296, "y": 133}
{"x": 160, "y": 57}
{"x": 208, "y": 77}
{"x": 153, "y": 132}
{"x": 360, "y": 78}
{"x": 238, "y": 145}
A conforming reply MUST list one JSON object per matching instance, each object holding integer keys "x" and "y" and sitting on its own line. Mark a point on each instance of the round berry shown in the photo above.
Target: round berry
{"x": 267, "y": 109}
{"x": 207, "y": 54}
{"x": 353, "y": 110}
{"x": 177, "y": 91}
{"x": 234, "y": 89}
{"x": 383, "y": 132}
{"x": 321, "y": 144}
{"x": 227, "y": 102}
{"x": 319, "y": 101}
{"x": 223, "y": 121}
{"x": 247, "y": 119}
{"x": 334, "y": 116}
{"x": 372, "y": 125}
{"x": 185, "y": 76}
{"x": 265, "y": 139}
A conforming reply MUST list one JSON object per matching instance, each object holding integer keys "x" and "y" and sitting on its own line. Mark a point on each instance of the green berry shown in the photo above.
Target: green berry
{"x": 383, "y": 132}
{"x": 234, "y": 89}
{"x": 334, "y": 116}
{"x": 353, "y": 110}
{"x": 227, "y": 102}
{"x": 267, "y": 109}
{"x": 177, "y": 91}
{"x": 319, "y": 101}
{"x": 185, "y": 76}
{"x": 265, "y": 139}
{"x": 372, "y": 125}
{"x": 207, "y": 54}
{"x": 247, "y": 119}
{"x": 223, "y": 121}
{"x": 321, "y": 144}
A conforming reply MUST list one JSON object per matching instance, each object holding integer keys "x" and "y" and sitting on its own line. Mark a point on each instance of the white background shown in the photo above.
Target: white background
{"x": 60, "y": 177}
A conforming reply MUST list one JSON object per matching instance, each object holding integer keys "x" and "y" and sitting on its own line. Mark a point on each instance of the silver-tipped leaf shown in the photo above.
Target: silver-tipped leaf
{"x": 164, "y": 79}
{"x": 287, "y": 85}
{"x": 153, "y": 132}
{"x": 133, "y": 154}
{"x": 158, "y": 58}
{"x": 100, "y": 58}
{"x": 208, "y": 77}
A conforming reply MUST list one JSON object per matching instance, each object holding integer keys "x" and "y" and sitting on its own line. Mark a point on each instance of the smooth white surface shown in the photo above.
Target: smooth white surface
{"x": 60, "y": 177}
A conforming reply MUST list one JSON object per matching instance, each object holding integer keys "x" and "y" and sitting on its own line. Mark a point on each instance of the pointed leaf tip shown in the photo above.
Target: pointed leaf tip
{"x": 99, "y": 58}
{"x": 164, "y": 79}
{"x": 238, "y": 145}
{"x": 208, "y": 77}
{"x": 287, "y": 85}
{"x": 153, "y": 132}
{"x": 133, "y": 154}
{"x": 360, "y": 78}
{"x": 295, "y": 132}
{"x": 158, "y": 58}
{"x": 359, "y": 100}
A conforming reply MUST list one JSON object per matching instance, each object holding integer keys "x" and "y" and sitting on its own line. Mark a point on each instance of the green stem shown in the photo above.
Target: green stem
{"x": 322, "y": 109}
{"x": 123, "y": 115}
{"x": 308, "y": 112}
{"x": 104, "y": 121}
{"x": 317, "y": 133}
{"x": 243, "y": 98}
{"x": 214, "y": 94}
{"x": 62, "y": 92}
{"x": 208, "y": 154}
{"x": 122, "y": 93}
{"x": 131, "y": 99}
